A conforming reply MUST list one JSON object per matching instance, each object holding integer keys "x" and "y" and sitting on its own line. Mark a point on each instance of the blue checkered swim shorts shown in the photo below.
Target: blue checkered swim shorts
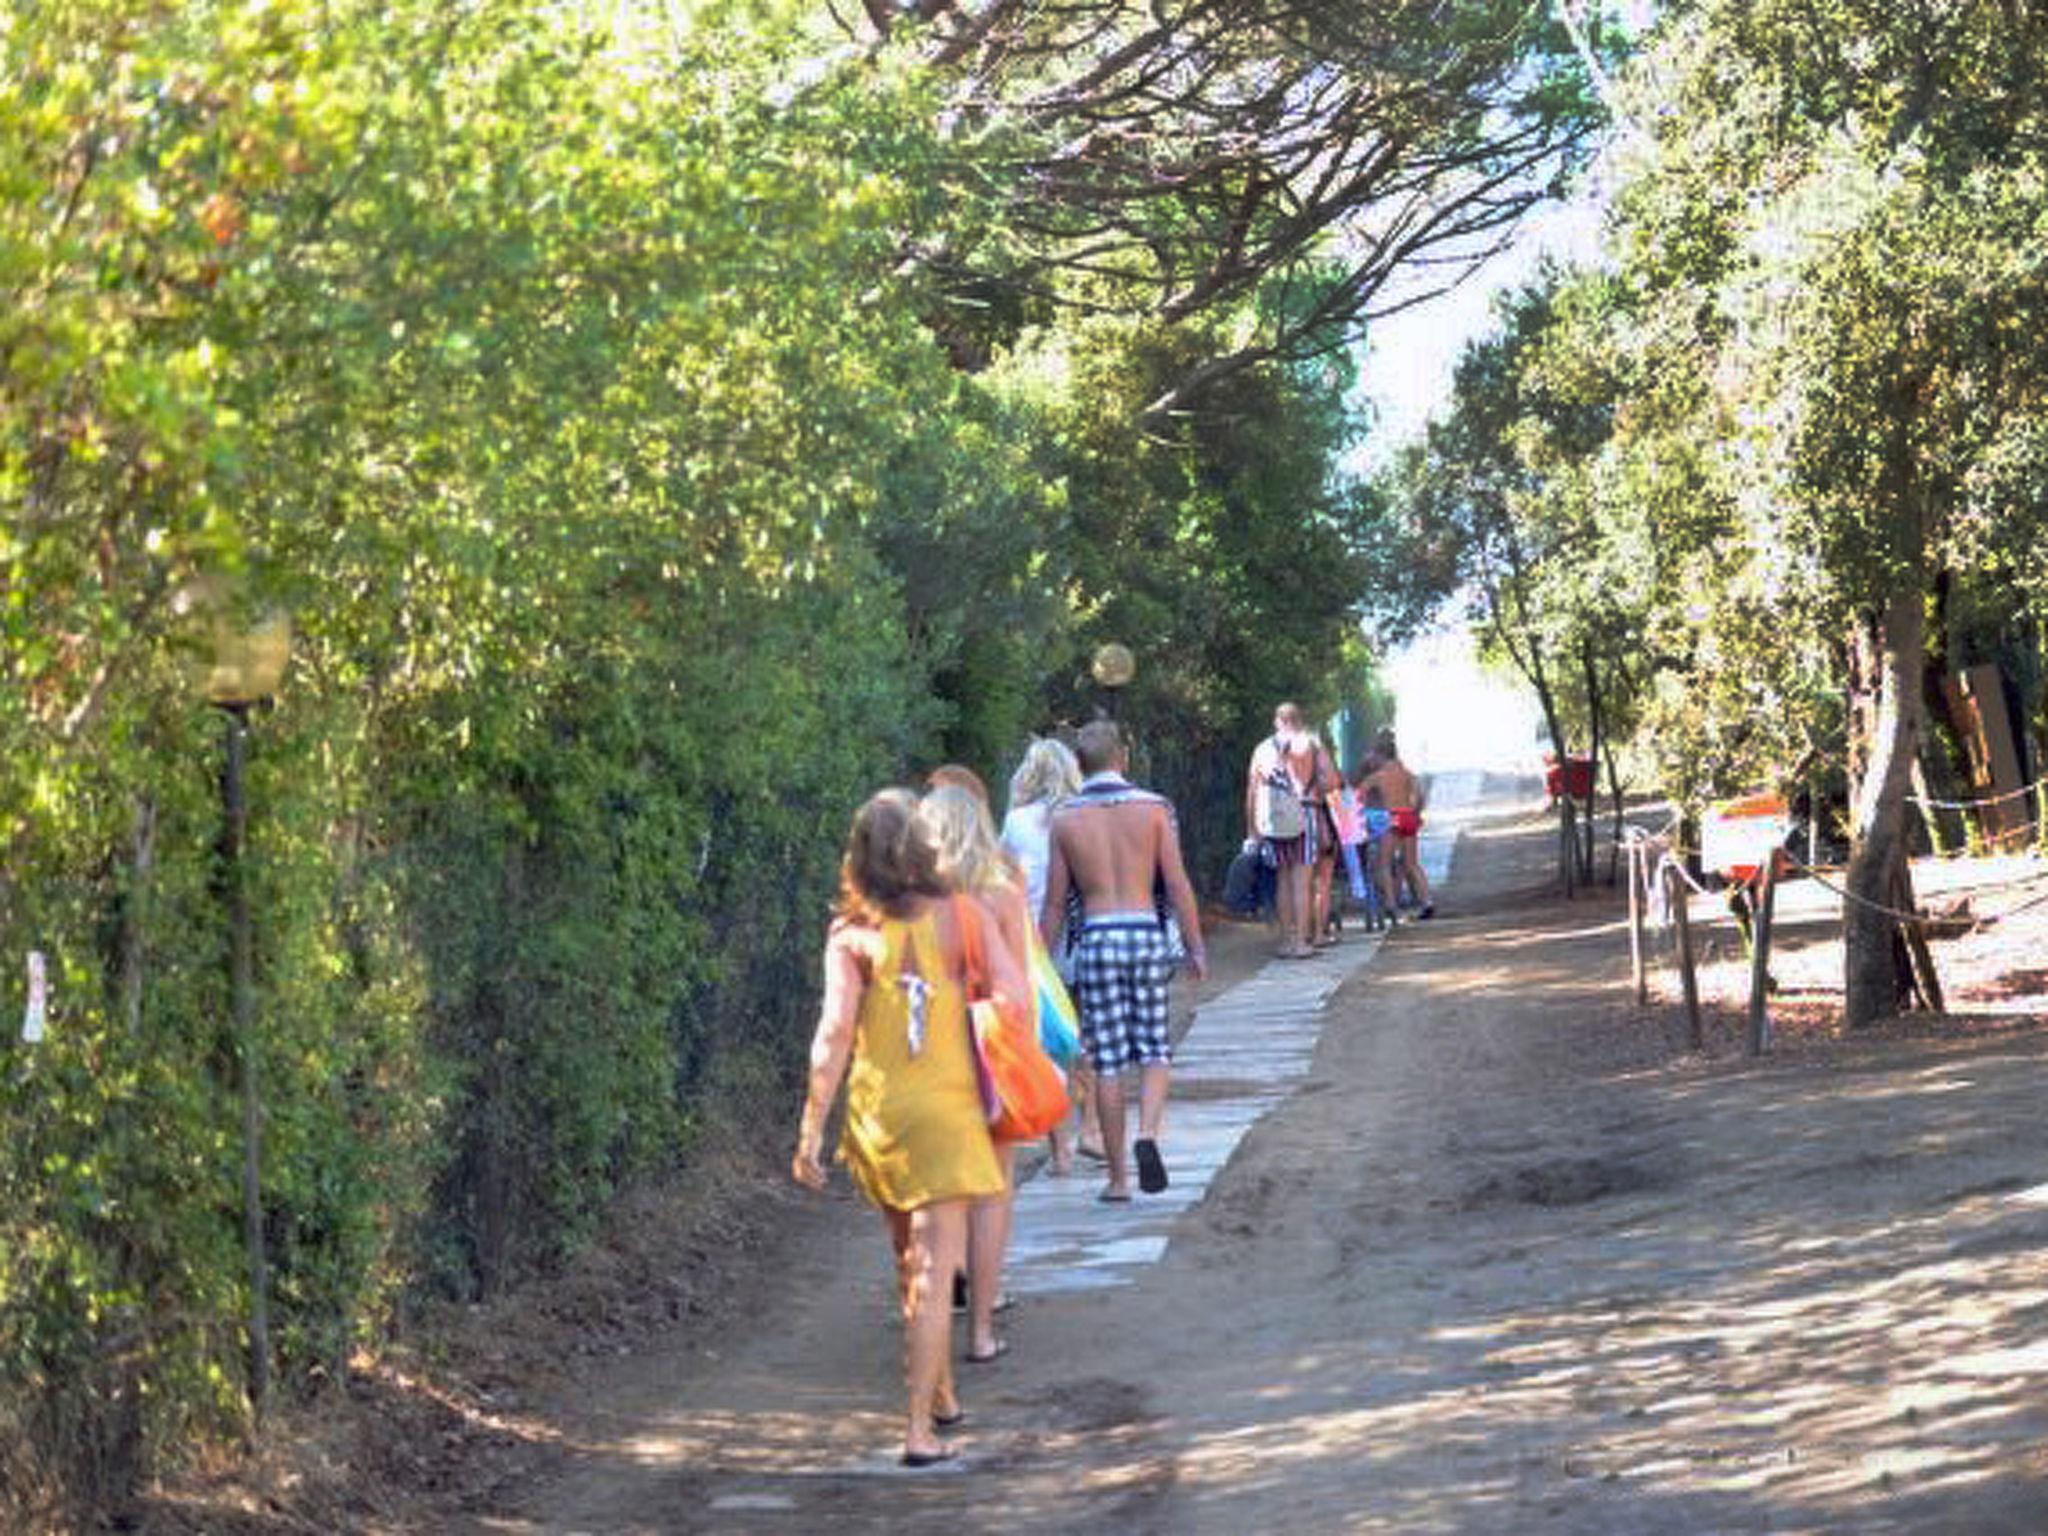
{"x": 1120, "y": 973}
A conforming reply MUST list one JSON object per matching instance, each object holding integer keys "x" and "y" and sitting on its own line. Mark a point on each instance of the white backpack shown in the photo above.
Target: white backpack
{"x": 1276, "y": 811}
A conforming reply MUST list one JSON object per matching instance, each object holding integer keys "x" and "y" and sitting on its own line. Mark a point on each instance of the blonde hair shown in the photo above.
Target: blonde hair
{"x": 1048, "y": 773}
{"x": 969, "y": 857}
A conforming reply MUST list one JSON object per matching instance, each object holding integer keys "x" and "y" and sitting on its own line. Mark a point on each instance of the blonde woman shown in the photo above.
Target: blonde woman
{"x": 970, "y": 860}
{"x": 1048, "y": 775}
{"x": 893, "y": 1027}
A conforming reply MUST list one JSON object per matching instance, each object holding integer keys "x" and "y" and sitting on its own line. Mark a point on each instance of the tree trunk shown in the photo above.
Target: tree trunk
{"x": 1595, "y": 725}
{"x": 1529, "y": 663}
{"x": 1887, "y": 667}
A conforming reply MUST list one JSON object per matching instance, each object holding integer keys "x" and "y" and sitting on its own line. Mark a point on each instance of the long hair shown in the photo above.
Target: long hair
{"x": 960, "y": 776}
{"x": 970, "y": 859}
{"x": 1048, "y": 773}
{"x": 889, "y": 860}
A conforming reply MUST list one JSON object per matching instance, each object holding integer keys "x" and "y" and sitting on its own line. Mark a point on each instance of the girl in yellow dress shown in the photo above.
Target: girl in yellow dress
{"x": 916, "y": 1135}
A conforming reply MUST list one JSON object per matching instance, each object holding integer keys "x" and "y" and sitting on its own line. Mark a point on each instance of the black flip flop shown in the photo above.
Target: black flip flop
{"x": 929, "y": 1458}
{"x": 1002, "y": 1348}
{"x": 1151, "y": 1168}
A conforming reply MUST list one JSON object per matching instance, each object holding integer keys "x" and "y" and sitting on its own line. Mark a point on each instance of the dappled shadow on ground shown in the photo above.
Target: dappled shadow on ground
{"x": 1795, "y": 1325}
{"x": 1511, "y": 1261}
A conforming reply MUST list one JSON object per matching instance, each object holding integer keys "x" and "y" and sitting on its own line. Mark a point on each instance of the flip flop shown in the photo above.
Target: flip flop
{"x": 1002, "y": 1348}
{"x": 1093, "y": 1154}
{"x": 1151, "y": 1167}
{"x": 1114, "y": 1197}
{"x": 929, "y": 1458}
{"x": 951, "y": 1420}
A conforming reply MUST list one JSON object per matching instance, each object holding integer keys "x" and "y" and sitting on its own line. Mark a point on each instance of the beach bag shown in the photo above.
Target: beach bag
{"x": 1024, "y": 1094}
{"x": 1276, "y": 809}
{"x": 1354, "y": 871}
{"x": 1059, "y": 1023}
{"x": 1349, "y": 816}
{"x": 1241, "y": 882}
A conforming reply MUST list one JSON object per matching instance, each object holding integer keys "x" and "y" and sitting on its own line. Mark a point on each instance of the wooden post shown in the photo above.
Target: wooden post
{"x": 1926, "y": 980}
{"x": 1568, "y": 842}
{"x": 1760, "y": 958}
{"x": 1695, "y": 1033}
{"x": 1637, "y": 896}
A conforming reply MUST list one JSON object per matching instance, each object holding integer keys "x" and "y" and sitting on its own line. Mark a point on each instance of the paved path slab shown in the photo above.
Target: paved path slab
{"x": 1245, "y": 1051}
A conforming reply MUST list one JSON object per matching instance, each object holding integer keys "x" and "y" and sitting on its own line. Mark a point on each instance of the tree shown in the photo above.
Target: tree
{"x": 1855, "y": 197}
{"x": 1175, "y": 162}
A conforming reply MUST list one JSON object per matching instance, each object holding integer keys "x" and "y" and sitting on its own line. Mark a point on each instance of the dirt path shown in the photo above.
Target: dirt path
{"x": 1506, "y": 1261}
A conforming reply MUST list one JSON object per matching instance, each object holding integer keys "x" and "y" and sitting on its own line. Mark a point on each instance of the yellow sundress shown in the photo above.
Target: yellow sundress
{"x": 915, "y": 1129}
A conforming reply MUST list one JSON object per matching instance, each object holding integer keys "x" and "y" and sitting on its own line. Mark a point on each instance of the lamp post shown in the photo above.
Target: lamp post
{"x": 247, "y": 665}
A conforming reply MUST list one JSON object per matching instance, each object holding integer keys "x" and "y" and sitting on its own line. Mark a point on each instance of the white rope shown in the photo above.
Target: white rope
{"x": 1977, "y": 804}
{"x": 1862, "y": 901}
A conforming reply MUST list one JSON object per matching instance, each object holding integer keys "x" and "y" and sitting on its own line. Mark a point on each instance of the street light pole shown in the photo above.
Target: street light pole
{"x": 242, "y": 1001}
{"x": 244, "y": 665}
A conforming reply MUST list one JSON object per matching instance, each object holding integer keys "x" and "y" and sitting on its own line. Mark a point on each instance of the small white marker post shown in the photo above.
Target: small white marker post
{"x": 33, "y": 1018}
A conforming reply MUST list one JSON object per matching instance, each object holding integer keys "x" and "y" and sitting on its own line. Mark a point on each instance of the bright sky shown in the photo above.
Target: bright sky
{"x": 1450, "y": 713}
{"x": 1406, "y": 374}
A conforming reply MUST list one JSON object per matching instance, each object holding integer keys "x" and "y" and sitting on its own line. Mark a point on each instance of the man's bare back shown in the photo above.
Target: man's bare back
{"x": 1113, "y": 854}
{"x": 1400, "y": 790}
{"x": 1116, "y": 852}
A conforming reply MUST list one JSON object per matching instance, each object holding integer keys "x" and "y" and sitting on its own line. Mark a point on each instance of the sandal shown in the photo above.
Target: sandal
{"x": 1151, "y": 1167}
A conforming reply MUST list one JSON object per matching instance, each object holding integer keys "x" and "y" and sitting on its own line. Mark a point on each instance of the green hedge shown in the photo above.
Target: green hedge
{"x": 571, "y": 390}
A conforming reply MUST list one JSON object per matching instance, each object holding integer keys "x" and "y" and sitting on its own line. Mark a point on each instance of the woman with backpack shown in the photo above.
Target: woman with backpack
{"x": 1277, "y": 799}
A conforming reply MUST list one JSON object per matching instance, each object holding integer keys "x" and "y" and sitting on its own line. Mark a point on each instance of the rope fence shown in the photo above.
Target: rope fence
{"x": 1660, "y": 887}
{"x": 1676, "y": 853}
{"x": 1977, "y": 804}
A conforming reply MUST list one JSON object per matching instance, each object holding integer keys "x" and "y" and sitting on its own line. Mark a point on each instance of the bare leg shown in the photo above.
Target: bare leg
{"x": 1319, "y": 900}
{"x": 1090, "y": 1139}
{"x": 988, "y": 1237}
{"x": 945, "y": 1400}
{"x": 1411, "y": 862}
{"x": 1109, "y": 1105}
{"x": 1383, "y": 877}
{"x": 1152, "y": 1084}
{"x": 1294, "y": 914}
{"x": 934, "y": 1241}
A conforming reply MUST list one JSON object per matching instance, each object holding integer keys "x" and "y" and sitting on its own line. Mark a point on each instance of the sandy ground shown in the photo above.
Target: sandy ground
{"x": 1509, "y": 1260}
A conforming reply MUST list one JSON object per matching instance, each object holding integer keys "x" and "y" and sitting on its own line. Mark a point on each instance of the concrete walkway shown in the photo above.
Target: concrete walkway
{"x": 1244, "y": 1052}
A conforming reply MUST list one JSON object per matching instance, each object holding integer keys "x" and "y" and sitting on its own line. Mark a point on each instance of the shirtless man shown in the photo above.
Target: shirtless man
{"x": 1114, "y": 844}
{"x": 1403, "y": 795}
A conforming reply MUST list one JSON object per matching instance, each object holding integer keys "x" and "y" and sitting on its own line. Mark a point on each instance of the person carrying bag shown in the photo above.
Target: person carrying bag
{"x": 1024, "y": 1093}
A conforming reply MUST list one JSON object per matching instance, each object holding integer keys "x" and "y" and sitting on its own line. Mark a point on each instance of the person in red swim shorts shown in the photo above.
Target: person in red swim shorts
{"x": 1403, "y": 795}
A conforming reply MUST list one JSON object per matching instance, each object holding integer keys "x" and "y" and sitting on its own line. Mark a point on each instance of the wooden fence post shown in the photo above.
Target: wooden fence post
{"x": 1926, "y": 980}
{"x": 1568, "y": 844}
{"x": 1760, "y": 958}
{"x": 1695, "y": 1033}
{"x": 1638, "y": 880}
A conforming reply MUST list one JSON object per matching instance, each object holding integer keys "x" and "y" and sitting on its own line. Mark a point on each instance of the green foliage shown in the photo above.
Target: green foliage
{"x": 1798, "y": 411}
{"x": 573, "y": 384}
{"x": 1224, "y": 549}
